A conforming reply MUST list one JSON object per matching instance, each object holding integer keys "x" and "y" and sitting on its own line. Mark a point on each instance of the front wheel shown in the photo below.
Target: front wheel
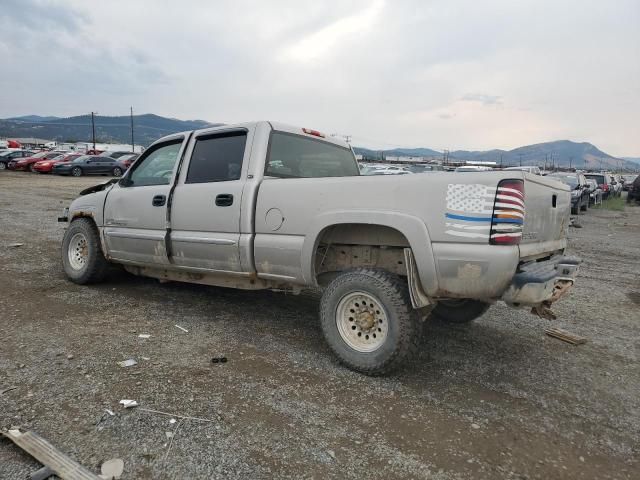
{"x": 459, "y": 311}
{"x": 82, "y": 257}
{"x": 76, "y": 171}
{"x": 3, "y": 166}
{"x": 117, "y": 172}
{"x": 368, "y": 321}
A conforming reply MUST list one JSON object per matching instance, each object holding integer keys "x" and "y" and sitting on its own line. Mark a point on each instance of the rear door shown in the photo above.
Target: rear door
{"x": 136, "y": 207}
{"x": 206, "y": 205}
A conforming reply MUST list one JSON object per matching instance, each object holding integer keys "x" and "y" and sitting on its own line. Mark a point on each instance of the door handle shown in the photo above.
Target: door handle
{"x": 224, "y": 200}
{"x": 159, "y": 200}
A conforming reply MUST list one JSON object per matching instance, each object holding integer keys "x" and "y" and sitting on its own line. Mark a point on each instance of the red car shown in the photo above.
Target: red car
{"x": 46, "y": 166}
{"x": 28, "y": 163}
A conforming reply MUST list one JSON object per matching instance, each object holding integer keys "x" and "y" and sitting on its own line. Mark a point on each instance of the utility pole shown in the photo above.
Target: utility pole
{"x": 500, "y": 160}
{"x": 570, "y": 161}
{"x": 520, "y": 155}
{"x": 133, "y": 145}
{"x": 93, "y": 129}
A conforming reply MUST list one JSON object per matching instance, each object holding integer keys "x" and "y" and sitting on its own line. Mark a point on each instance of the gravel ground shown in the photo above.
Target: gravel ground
{"x": 496, "y": 399}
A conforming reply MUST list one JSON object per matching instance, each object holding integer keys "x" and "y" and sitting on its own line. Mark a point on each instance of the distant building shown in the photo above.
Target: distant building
{"x": 30, "y": 142}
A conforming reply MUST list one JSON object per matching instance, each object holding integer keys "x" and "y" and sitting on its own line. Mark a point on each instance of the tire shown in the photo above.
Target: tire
{"x": 30, "y": 167}
{"x": 585, "y": 206}
{"x": 459, "y": 311}
{"x": 378, "y": 339}
{"x": 3, "y": 166}
{"x": 82, "y": 258}
{"x": 117, "y": 172}
{"x": 76, "y": 172}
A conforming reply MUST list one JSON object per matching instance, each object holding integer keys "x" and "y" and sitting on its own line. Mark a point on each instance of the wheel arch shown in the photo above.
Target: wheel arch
{"x": 396, "y": 229}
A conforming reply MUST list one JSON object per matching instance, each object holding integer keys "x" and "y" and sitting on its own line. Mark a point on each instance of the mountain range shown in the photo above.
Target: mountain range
{"x": 147, "y": 128}
{"x": 150, "y": 127}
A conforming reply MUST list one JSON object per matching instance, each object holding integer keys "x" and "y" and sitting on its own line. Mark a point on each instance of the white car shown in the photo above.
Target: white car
{"x": 534, "y": 170}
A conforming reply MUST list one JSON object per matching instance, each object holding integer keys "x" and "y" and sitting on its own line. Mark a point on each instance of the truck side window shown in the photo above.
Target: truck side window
{"x": 217, "y": 158}
{"x": 157, "y": 167}
{"x": 295, "y": 156}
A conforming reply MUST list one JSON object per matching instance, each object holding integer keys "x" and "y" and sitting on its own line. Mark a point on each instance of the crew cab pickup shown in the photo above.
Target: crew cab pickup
{"x": 268, "y": 206}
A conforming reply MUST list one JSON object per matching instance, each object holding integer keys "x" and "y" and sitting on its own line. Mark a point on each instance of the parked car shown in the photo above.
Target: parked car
{"x": 595, "y": 192}
{"x": 26, "y": 164}
{"x": 7, "y": 156}
{"x": 473, "y": 168}
{"x": 263, "y": 205}
{"x": 628, "y": 182}
{"x": 616, "y": 182}
{"x": 127, "y": 160}
{"x": 107, "y": 153}
{"x": 530, "y": 169}
{"x": 422, "y": 168}
{"x": 580, "y": 192}
{"x": 46, "y": 166}
{"x": 634, "y": 191}
{"x": 90, "y": 164}
{"x": 392, "y": 170}
{"x": 604, "y": 182}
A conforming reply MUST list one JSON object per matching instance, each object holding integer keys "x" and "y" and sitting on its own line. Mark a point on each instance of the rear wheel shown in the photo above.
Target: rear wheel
{"x": 459, "y": 311}
{"x": 117, "y": 172}
{"x": 30, "y": 167}
{"x": 76, "y": 171}
{"x": 368, "y": 321}
{"x": 3, "y": 166}
{"x": 82, "y": 257}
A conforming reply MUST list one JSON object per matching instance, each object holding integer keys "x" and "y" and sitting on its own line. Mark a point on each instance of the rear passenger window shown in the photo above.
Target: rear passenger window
{"x": 217, "y": 158}
{"x": 294, "y": 156}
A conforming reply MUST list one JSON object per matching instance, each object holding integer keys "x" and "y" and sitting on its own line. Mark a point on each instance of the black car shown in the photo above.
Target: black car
{"x": 9, "y": 155}
{"x": 91, "y": 164}
{"x": 580, "y": 190}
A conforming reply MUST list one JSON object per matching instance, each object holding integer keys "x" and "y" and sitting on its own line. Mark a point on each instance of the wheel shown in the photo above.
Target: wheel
{"x": 30, "y": 167}
{"x": 578, "y": 207}
{"x": 3, "y": 166}
{"x": 459, "y": 311}
{"x": 368, "y": 321}
{"x": 117, "y": 172}
{"x": 82, "y": 257}
{"x": 76, "y": 171}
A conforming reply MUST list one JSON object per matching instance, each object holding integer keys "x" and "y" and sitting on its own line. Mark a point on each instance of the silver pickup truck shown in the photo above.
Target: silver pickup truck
{"x": 268, "y": 206}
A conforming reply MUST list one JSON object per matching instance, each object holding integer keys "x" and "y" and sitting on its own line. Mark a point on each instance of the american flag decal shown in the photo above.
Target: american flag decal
{"x": 484, "y": 212}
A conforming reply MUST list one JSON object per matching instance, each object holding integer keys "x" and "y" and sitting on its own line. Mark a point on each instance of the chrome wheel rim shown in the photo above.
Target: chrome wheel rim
{"x": 3, "y": 165}
{"x": 76, "y": 172}
{"x": 117, "y": 172}
{"x": 362, "y": 321}
{"x": 78, "y": 251}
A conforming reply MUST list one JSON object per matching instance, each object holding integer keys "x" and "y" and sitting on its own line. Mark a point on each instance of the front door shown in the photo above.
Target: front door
{"x": 205, "y": 212}
{"x": 136, "y": 207}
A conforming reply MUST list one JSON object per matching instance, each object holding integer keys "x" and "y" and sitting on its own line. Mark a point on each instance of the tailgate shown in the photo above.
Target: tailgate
{"x": 547, "y": 209}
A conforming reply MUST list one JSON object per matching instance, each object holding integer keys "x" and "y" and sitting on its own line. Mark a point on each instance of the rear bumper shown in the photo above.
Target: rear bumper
{"x": 539, "y": 282}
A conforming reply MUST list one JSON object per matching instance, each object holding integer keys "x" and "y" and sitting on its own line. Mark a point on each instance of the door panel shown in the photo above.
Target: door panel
{"x": 134, "y": 229}
{"x": 205, "y": 211}
{"x": 135, "y": 214}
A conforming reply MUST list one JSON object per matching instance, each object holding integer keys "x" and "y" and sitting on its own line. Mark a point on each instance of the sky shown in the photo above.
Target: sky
{"x": 444, "y": 74}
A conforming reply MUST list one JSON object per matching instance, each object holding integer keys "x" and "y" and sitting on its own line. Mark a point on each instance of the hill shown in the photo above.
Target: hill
{"x": 147, "y": 128}
{"x": 563, "y": 153}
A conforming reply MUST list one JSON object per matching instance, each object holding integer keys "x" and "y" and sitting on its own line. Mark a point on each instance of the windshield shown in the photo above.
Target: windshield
{"x": 598, "y": 178}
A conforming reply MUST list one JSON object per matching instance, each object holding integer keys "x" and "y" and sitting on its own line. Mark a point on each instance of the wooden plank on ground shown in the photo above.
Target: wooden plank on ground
{"x": 565, "y": 336}
{"x": 48, "y": 455}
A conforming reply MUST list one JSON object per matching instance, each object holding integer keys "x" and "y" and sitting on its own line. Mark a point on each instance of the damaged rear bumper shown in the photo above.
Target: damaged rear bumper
{"x": 539, "y": 284}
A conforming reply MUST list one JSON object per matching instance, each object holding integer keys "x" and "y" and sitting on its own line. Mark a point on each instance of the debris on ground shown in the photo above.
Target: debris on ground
{"x": 8, "y": 389}
{"x": 42, "y": 474}
{"x": 128, "y": 363}
{"x": 144, "y": 335}
{"x": 49, "y": 456}
{"x": 182, "y": 328}
{"x": 15, "y": 245}
{"x": 70, "y": 356}
{"x": 565, "y": 336}
{"x": 112, "y": 469}
{"x": 128, "y": 403}
{"x": 219, "y": 360}
{"x": 149, "y": 410}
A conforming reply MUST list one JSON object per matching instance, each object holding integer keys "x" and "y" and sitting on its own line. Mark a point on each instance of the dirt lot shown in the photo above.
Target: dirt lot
{"x": 496, "y": 399}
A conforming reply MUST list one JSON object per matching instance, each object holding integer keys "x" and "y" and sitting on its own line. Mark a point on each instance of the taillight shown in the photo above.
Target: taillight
{"x": 508, "y": 213}
{"x": 604, "y": 187}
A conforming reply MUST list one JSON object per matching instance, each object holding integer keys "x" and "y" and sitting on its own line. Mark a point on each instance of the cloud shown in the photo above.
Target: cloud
{"x": 501, "y": 73}
{"x": 482, "y": 98}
